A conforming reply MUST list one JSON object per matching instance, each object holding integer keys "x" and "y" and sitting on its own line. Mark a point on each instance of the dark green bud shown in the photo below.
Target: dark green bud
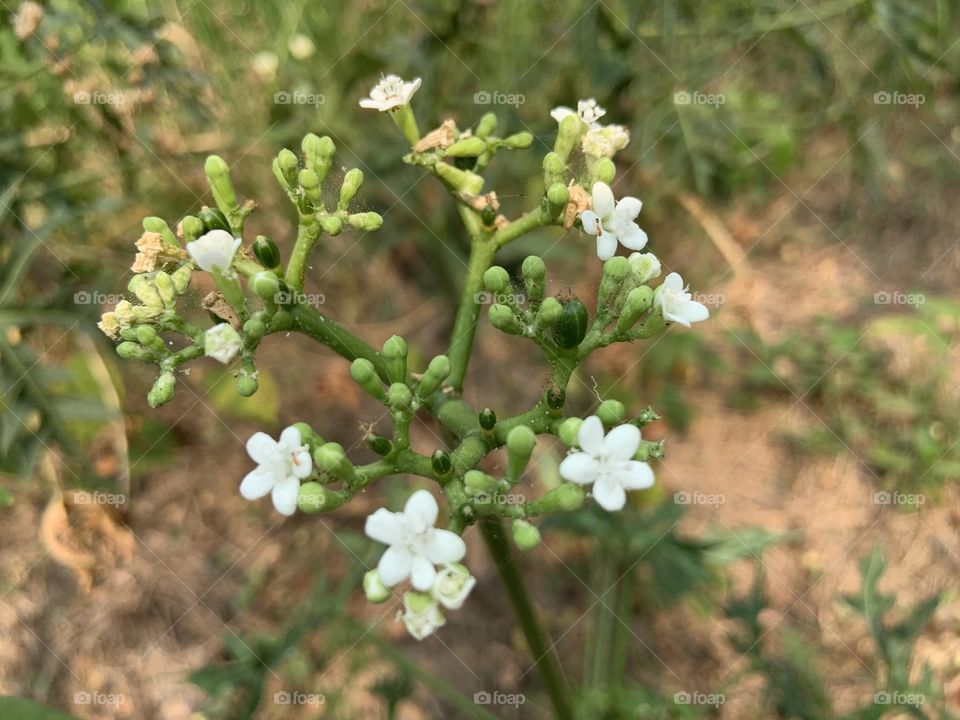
{"x": 213, "y": 219}
{"x": 556, "y": 398}
{"x": 381, "y": 445}
{"x": 488, "y": 215}
{"x": 487, "y": 418}
{"x": 441, "y": 462}
{"x": 267, "y": 252}
{"x": 571, "y": 327}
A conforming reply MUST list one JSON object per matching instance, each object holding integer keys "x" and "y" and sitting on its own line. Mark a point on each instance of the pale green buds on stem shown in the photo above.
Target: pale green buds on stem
{"x": 566, "y": 498}
{"x": 314, "y": 498}
{"x": 569, "y": 430}
{"x": 331, "y": 458}
{"x": 525, "y": 536}
{"x": 351, "y": 184}
{"x": 520, "y": 443}
{"x": 365, "y": 375}
{"x": 611, "y": 412}
{"x": 395, "y": 358}
{"x": 162, "y": 390}
{"x": 374, "y": 588}
{"x": 437, "y": 371}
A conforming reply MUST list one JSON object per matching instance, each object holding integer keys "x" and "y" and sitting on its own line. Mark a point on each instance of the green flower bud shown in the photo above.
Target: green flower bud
{"x": 374, "y": 588}
{"x": 365, "y": 375}
{"x": 135, "y": 351}
{"x": 148, "y": 336}
{"x": 441, "y": 462}
{"x": 314, "y": 497}
{"x": 496, "y": 280}
{"x": 395, "y": 358}
{"x": 146, "y": 291}
{"x": 571, "y": 327}
{"x": 181, "y": 279}
{"x": 351, "y": 184}
{"x": 652, "y": 324}
{"x": 525, "y": 536}
{"x": 192, "y": 228}
{"x": 650, "y": 449}
{"x": 557, "y": 197}
{"x": 566, "y": 498}
{"x": 247, "y": 382}
{"x": 331, "y": 225}
{"x": 554, "y": 168}
{"x": 502, "y": 318}
{"x": 310, "y": 182}
{"x": 615, "y": 271}
{"x": 437, "y": 371}
{"x": 318, "y": 153}
{"x": 467, "y": 147}
{"x": 611, "y": 412}
{"x": 331, "y": 458}
{"x": 569, "y": 431}
{"x": 166, "y": 288}
{"x": 266, "y": 252}
{"x": 381, "y": 445}
{"x": 309, "y": 436}
{"x": 477, "y": 481}
{"x": 218, "y": 175}
{"x": 253, "y": 330}
{"x": 518, "y": 141}
{"x": 568, "y": 136}
{"x": 162, "y": 390}
{"x": 285, "y": 168}
{"x": 213, "y": 219}
{"x": 637, "y": 303}
{"x": 556, "y": 397}
{"x": 520, "y": 443}
{"x": 487, "y": 419}
{"x": 462, "y": 180}
{"x": 488, "y": 215}
{"x": 368, "y": 221}
{"x": 549, "y": 312}
{"x": 533, "y": 271}
{"x": 604, "y": 171}
{"x": 266, "y": 285}
{"x": 399, "y": 396}
{"x": 487, "y": 124}
{"x": 159, "y": 225}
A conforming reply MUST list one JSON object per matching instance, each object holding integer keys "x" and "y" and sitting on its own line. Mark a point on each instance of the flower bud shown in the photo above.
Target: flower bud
{"x": 462, "y": 180}
{"x": 644, "y": 267}
{"x": 553, "y": 169}
{"x": 557, "y": 197}
{"x": 331, "y": 225}
{"x": 374, "y": 588}
{"x": 487, "y": 124}
{"x": 637, "y": 303}
{"x": 571, "y": 327}
{"x": 568, "y": 135}
{"x": 652, "y": 324}
{"x": 135, "y": 351}
{"x": 399, "y": 396}
{"x": 331, "y": 458}
{"x": 477, "y": 481}
{"x": 146, "y": 291}
{"x": 148, "y": 336}
{"x": 437, "y": 371}
{"x": 162, "y": 390}
{"x": 502, "y": 318}
{"x": 395, "y": 358}
{"x": 166, "y": 288}
{"x": 520, "y": 443}
{"x": 213, "y": 219}
{"x": 566, "y": 498}
{"x": 611, "y": 412}
{"x": 285, "y": 167}
{"x": 467, "y": 147}
{"x": 218, "y": 175}
{"x": 351, "y": 184}
{"x": 550, "y": 310}
{"x": 615, "y": 271}
{"x": 650, "y": 449}
{"x": 159, "y": 225}
{"x": 318, "y": 153}
{"x": 525, "y": 536}
{"x": 365, "y": 375}
{"x": 266, "y": 252}
{"x": 556, "y": 398}
{"x": 604, "y": 171}
{"x": 310, "y": 182}
{"x": 569, "y": 431}
{"x": 247, "y": 383}
{"x": 191, "y": 227}
{"x": 266, "y": 285}
{"x": 496, "y": 279}
{"x": 452, "y": 585}
{"x": 367, "y": 221}
{"x": 488, "y": 215}
{"x": 314, "y": 497}
{"x": 181, "y": 279}
{"x": 381, "y": 445}
{"x": 533, "y": 271}
{"x": 309, "y": 436}
{"x": 254, "y": 329}
{"x": 518, "y": 141}
{"x": 441, "y": 463}
{"x": 487, "y": 419}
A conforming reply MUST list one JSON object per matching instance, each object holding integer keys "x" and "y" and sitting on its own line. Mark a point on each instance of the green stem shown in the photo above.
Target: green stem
{"x": 544, "y": 655}
{"x": 465, "y": 322}
{"x": 307, "y": 235}
{"x": 314, "y": 323}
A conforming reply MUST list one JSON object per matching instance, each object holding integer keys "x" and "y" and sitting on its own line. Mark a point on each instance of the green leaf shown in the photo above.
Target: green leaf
{"x": 21, "y": 709}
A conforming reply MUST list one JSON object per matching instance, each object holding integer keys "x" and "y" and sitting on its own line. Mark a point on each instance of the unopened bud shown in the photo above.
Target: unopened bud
{"x": 162, "y": 390}
{"x": 181, "y": 279}
{"x": 318, "y": 153}
{"x": 525, "y": 536}
{"x": 218, "y": 175}
{"x": 441, "y": 463}
{"x": 604, "y": 171}
{"x": 554, "y": 167}
{"x": 331, "y": 458}
{"x": 437, "y": 371}
{"x": 569, "y": 432}
{"x": 467, "y": 147}
{"x": 331, "y": 225}
{"x": 351, "y": 184}
{"x": 461, "y": 180}
{"x": 533, "y": 270}
{"x": 166, "y": 288}
{"x": 314, "y": 497}
{"x": 487, "y": 124}
{"x": 395, "y": 358}
{"x": 374, "y": 588}
{"x": 568, "y": 135}
{"x": 520, "y": 443}
{"x": 365, "y": 375}
{"x": 615, "y": 271}
{"x": 637, "y": 303}
{"x": 159, "y": 225}
{"x": 550, "y": 310}
{"x": 477, "y": 481}
{"x": 146, "y": 291}
{"x": 502, "y": 318}
{"x": 368, "y": 221}
{"x": 566, "y": 498}
{"x": 285, "y": 168}
{"x": 557, "y": 197}
{"x": 518, "y": 141}
{"x": 644, "y": 267}
{"x": 487, "y": 419}
{"x": 399, "y": 396}
{"x": 496, "y": 279}
{"x": 135, "y": 351}
{"x": 267, "y": 252}
{"x": 611, "y": 412}
{"x": 266, "y": 285}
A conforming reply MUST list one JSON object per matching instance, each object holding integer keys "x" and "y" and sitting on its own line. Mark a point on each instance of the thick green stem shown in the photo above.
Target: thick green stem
{"x": 544, "y": 656}
{"x": 465, "y": 323}
{"x": 314, "y": 323}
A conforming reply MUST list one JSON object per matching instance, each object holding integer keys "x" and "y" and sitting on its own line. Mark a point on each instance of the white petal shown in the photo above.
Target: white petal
{"x": 421, "y": 509}
{"x": 284, "y": 496}
{"x": 636, "y": 475}
{"x": 559, "y": 113}
{"x": 692, "y": 312}
{"x": 261, "y": 448}
{"x": 673, "y": 281}
{"x": 291, "y": 437}
{"x": 606, "y": 245}
{"x": 632, "y": 237}
{"x": 409, "y": 89}
{"x": 590, "y": 435}
{"x": 622, "y": 442}
{"x": 589, "y": 219}
{"x": 609, "y": 494}
{"x": 422, "y": 574}
{"x": 371, "y": 104}
{"x": 384, "y": 526}
{"x": 602, "y": 197}
{"x": 257, "y": 483}
{"x": 670, "y": 317}
{"x": 302, "y": 464}
{"x": 445, "y": 546}
{"x": 628, "y": 208}
{"x": 580, "y": 468}
{"x": 394, "y": 565}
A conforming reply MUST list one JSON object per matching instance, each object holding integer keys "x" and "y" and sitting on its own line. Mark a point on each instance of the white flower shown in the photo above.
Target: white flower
{"x": 644, "y": 266}
{"x": 605, "y": 141}
{"x": 607, "y": 463}
{"x": 265, "y": 65}
{"x": 613, "y": 222}
{"x": 301, "y": 46}
{"x": 452, "y": 585}
{"x": 391, "y": 92}
{"x": 282, "y": 465}
{"x": 214, "y": 250}
{"x": 222, "y": 342}
{"x": 587, "y": 110}
{"x": 421, "y": 615}
{"x": 673, "y": 298}
{"x": 415, "y": 544}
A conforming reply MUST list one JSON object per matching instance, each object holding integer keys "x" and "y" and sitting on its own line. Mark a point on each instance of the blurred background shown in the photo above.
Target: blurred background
{"x": 798, "y": 162}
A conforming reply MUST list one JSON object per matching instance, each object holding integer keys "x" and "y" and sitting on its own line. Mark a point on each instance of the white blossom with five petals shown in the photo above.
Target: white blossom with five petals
{"x": 391, "y": 92}
{"x": 606, "y": 462}
{"x": 677, "y": 304}
{"x": 613, "y": 222}
{"x": 587, "y": 110}
{"x": 215, "y": 249}
{"x": 282, "y": 464}
{"x": 416, "y": 546}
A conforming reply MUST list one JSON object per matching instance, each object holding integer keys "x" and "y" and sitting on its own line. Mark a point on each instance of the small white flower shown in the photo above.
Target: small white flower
{"x": 644, "y": 266}
{"x": 301, "y": 46}
{"x": 421, "y": 615}
{"x": 452, "y": 585}
{"x": 613, "y": 222}
{"x": 222, "y": 343}
{"x": 415, "y": 544}
{"x": 587, "y": 110}
{"x": 282, "y": 464}
{"x": 674, "y": 299}
{"x": 391, "y": 92}
{"x": 215, "y": 249}
{"x": 605, "y": 141}
{"x": 265, "y": 65}
{"x": 607, "y": 463}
